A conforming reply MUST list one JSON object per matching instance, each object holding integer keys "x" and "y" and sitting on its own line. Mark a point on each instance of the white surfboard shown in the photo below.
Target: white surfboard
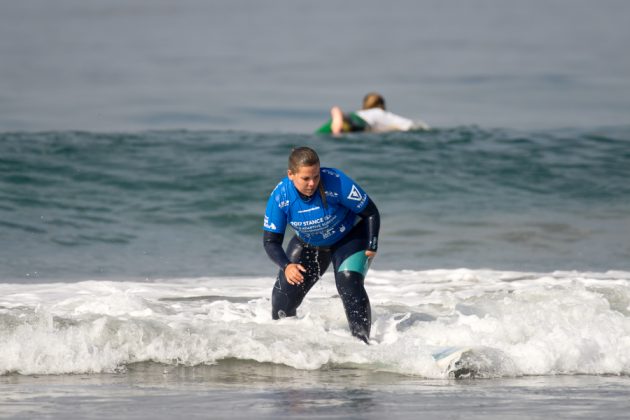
{"x": 447, "y": 359}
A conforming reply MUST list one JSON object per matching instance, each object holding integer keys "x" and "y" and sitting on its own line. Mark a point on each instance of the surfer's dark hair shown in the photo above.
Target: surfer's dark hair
{"x": 302, "y": 156}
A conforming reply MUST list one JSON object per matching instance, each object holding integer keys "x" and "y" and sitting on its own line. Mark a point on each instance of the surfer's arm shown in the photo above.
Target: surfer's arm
{"x": 400, "y": 123}
{"x": 273, "y": 247}
{"x": 373, "y": 221}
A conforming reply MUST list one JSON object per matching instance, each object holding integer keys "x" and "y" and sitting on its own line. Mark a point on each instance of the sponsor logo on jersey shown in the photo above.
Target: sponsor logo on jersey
{"x": 355, "y": 194}
{"x": 328, "y": 234}
{"x": 283, "y": 204}
{"x": 317, "y": 221}
{"x": 315, "y": 226}
{"x": 268, "y": 225}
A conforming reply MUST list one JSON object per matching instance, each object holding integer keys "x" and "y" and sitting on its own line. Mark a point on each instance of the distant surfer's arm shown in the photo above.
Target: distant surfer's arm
{"x": 373, "y": 221}
{"x": 396, "y": 122}
{"x": 405, "y": 124}
{"x": 420, "y": 125}
{"x": 382, "y": 121}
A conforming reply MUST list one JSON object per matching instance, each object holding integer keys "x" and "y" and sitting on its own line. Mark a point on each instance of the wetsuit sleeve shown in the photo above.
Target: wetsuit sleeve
{"x": 373, "y": 221}
{"x": 274, "y": 227}
{"x": 273, "y": 247}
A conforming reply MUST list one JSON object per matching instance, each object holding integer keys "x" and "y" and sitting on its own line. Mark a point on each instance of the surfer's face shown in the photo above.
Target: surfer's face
{"x": 306, "y": 179}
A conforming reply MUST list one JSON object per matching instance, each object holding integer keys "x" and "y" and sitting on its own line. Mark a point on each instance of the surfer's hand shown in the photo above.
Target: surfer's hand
{"x": 293, "y": 273}
{"x": 370, "y": 254}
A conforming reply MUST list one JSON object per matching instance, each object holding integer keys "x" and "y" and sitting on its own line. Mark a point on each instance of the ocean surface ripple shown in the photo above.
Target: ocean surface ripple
{"x": 77, "y": 205}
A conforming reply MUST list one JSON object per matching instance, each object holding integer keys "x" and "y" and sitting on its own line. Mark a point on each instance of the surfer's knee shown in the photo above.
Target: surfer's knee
{"x": 350, "y": 283}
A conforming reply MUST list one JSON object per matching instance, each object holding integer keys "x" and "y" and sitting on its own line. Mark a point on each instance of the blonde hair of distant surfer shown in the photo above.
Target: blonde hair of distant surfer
{"x": 373, "y": 100}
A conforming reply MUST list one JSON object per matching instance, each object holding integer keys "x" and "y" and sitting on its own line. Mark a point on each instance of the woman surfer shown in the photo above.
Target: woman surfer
{"x": 334, "y": 221}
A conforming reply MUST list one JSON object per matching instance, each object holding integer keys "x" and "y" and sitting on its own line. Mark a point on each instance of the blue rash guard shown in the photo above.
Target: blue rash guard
{"x": 337, "y": 225}
{"x": 315, "y": 222}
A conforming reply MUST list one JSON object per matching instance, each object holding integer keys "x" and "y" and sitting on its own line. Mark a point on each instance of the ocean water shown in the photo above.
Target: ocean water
{"x": 173, "y": 204}
{"x": 135, "y": 260}
{"x": 279, "y": 65}
{"x": 139, "y": 143}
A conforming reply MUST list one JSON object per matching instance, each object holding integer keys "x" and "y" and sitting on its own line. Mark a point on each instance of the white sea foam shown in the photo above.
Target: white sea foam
{"x": 517, "y": 323}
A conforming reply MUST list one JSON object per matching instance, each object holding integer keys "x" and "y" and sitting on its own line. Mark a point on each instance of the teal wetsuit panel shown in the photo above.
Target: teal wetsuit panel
{"x": 357, "y": 262}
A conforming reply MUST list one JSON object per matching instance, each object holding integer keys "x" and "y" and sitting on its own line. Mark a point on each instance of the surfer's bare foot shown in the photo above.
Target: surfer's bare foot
{"x": 336, "y": 126}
